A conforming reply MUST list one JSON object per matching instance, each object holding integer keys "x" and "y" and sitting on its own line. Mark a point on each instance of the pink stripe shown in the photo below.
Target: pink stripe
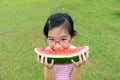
{"x": 62, "y": 72}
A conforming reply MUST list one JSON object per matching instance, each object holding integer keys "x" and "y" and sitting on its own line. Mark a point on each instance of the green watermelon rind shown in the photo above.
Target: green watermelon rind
{"x": 62, "y": 59}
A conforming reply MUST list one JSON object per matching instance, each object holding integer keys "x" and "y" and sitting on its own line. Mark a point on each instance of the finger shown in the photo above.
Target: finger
{"x": 87, "y": 54}
{"x": 50, "y": 65}
{"x": 80, "y": 58}
{"x": 52, "y": 62}
{"x": 38, "y": 58}
{"x": 75, "y": 63}
{"x": 84, "y": 57}
{"x": 46, "y": 62}
{"x": 42, "y": 59}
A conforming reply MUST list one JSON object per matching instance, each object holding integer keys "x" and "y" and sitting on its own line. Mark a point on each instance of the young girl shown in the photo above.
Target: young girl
{"x": 59, "y": 32}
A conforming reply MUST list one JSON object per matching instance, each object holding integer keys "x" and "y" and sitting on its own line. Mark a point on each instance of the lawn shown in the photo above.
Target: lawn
{"x": 21, "y": 24}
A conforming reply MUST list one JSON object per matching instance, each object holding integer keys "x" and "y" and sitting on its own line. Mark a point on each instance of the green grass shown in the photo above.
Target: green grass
{"x": 21, "y": 24}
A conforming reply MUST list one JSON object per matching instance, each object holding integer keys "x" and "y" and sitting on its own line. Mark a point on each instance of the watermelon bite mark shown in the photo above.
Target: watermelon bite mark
{"x": 62, "y": 56}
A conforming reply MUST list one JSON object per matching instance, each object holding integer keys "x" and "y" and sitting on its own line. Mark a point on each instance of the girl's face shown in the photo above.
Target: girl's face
{"x": 59, "y": 38}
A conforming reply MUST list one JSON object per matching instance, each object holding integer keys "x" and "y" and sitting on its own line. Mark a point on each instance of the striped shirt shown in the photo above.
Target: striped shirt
{"x": 62, "y": 71}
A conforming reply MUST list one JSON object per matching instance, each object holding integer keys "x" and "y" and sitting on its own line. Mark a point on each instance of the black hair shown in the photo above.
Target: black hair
{"x": 59, "y": 19}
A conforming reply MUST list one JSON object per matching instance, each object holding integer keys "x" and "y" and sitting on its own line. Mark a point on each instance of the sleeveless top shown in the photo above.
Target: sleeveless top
{"x": 63, "y": 71}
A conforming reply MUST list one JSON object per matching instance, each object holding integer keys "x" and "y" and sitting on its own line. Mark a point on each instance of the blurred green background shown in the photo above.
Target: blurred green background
{"x": 21, "y": 25}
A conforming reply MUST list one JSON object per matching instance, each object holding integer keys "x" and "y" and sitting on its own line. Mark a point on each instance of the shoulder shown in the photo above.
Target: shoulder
{"x": 72, "y": 47}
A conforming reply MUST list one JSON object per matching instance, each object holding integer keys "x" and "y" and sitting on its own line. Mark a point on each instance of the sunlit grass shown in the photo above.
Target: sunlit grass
{"x": 21, "y": 24}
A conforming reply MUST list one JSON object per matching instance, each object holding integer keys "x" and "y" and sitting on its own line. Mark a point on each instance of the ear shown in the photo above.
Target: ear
{"x": 72, "y": 38}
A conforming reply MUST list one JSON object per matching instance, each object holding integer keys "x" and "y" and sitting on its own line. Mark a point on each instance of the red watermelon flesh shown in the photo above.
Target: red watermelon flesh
{"x": 63, "y": 54}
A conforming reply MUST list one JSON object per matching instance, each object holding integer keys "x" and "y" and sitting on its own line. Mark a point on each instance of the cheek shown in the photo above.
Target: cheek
{"x": 66, "y": 45}
{"x": 51, "y": 46}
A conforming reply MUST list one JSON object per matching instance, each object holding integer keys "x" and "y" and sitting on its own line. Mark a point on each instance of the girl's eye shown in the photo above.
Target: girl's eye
{"x": 50, "y": 40}
{"x": 63, "y": 40}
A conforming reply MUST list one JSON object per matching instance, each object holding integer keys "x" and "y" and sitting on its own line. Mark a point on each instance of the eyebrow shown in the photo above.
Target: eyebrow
{"x": 64, "y": 36}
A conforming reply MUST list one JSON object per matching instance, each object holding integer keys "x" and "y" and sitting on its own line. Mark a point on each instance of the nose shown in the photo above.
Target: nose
{"x": 57, "y": 46}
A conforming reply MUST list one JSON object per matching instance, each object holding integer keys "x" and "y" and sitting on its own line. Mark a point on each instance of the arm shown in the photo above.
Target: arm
{"x": 48, "y": 67}
{"x": 48, "y": 73}
{"x": 75, "y": 75}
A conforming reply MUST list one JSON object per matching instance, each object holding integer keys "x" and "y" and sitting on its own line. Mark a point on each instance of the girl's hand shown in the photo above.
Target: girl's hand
{"x": 82, "y": 58}
{"x": 44, "y": 61}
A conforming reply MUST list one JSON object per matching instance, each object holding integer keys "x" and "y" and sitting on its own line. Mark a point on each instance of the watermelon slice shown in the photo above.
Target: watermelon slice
{"x": 63, "y": 56}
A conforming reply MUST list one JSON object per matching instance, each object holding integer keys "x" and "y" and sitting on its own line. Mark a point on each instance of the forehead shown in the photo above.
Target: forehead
{"x": 58, "y": 32}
